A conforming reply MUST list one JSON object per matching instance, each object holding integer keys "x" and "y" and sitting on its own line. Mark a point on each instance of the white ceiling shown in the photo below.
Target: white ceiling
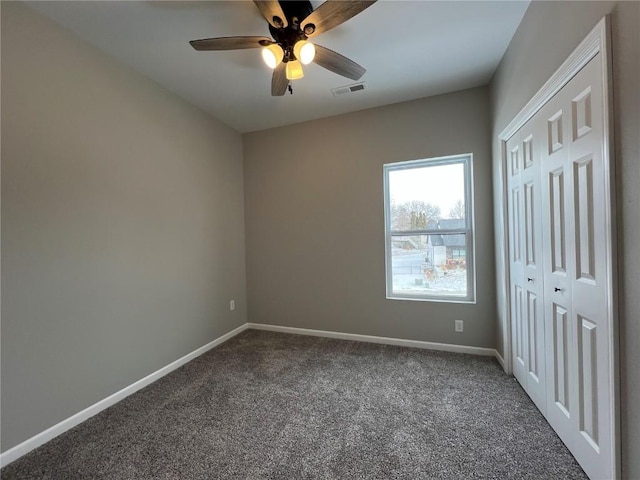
{"x": 411, "y": 49}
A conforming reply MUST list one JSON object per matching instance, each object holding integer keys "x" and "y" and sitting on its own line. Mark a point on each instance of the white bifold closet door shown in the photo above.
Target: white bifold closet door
{"x": 527, "y": 276}
{"x": 557, "y": 200}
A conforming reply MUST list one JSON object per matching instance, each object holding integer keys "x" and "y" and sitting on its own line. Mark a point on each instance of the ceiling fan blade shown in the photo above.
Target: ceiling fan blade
{"x": 230, "y": 43}
{"x": 337, "y": 63}
{"x": 279, "y": 80}
{"x": 272, "y": 12}
{"x": 331, "y": 14}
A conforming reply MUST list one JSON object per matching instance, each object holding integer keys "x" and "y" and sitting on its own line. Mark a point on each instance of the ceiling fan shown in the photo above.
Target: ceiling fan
{"x": 291, "y": 24}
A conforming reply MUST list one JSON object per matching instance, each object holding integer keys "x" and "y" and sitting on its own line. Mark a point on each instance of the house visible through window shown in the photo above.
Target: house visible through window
{"x": 429, "y": 229}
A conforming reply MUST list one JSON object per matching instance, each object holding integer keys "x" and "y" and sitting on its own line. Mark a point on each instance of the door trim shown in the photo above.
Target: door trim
{"x": 597, "y": 41}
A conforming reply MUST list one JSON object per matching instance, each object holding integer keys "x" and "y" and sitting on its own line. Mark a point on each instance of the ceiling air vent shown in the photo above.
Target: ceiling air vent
{"x": 356, "y": 87}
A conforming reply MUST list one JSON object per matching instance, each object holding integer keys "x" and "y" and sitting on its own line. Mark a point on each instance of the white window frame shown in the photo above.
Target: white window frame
{"x": 467, "y": 161}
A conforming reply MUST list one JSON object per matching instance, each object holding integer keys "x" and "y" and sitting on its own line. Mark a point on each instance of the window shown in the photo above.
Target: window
{"x": 429, "y": 229}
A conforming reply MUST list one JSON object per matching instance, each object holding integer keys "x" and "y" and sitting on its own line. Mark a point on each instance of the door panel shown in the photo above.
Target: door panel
{"x": 588, "y": 378}
{"x": 517, "y": 224}
{"x": 519, "y": 333}
{"x": 557, "y": 224}
{"x": 583, "y": 214}
{"x": 533, "y": 347}
{"x": 577, "y": 262}
{"x": 532, "y": 254}
{"x": 560, "y": 359}
{"x": 526, "y": 275}
{"x": 529, "y": 225}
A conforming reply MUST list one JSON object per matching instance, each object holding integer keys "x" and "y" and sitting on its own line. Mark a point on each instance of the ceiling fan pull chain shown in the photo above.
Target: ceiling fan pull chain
{"x": 290, "y": 88}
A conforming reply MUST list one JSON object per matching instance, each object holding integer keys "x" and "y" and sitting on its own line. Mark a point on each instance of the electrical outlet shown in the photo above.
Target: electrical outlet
{"x": 232, "y": 305}
{"x": 459, "y": 325}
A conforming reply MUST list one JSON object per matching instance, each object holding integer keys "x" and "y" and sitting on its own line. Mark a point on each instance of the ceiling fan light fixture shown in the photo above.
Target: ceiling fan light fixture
{"x": 294, "y": 70}
{"x": 272, "y": 55}
{"x": 304, "y": 51}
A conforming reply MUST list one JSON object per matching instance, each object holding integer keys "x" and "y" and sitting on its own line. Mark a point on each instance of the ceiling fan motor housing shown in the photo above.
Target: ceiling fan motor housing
{"x": 287, "y": 37}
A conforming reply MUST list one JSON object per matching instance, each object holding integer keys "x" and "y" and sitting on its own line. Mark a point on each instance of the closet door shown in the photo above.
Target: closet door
{"x": 527, "y": 279}
{"x": 519, "y": 335}
{"x": 576, "y": 260}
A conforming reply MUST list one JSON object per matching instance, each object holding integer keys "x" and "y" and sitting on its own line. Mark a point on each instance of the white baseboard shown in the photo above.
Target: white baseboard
{"x": 30, "y": 444}
{"x": 445, "y": 347}
{"x": 500, "y": 360}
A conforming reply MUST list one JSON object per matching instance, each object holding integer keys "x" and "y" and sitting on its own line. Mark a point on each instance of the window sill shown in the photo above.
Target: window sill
{"x": 431, "y": 299}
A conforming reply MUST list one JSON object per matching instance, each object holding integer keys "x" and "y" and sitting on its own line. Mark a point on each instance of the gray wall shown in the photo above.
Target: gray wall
{"x": 314, "y": 219}
{"x": 122, "y": 226}
{"x": 549, "y": 32}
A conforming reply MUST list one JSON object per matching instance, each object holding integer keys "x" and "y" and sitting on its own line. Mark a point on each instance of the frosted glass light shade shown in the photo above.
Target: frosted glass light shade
{"x": 304, "y": 51}
{"x": 294, "y": 70}
{"x": 272, "y": 55}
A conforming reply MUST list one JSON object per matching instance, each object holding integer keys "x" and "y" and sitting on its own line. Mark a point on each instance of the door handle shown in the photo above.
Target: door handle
{"x": 557, "y": 289}
{"x": 529, "y": 279}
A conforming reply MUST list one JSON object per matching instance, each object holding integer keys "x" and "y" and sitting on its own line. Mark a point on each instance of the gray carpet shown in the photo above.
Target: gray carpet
{"x": 270, "y": 405}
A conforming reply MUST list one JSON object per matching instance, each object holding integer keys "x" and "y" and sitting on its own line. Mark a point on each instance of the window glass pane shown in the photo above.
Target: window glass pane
{"x": 433, "y": 265}
{"x": 420, "y": 197}
{"x": 428, "y": 198}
